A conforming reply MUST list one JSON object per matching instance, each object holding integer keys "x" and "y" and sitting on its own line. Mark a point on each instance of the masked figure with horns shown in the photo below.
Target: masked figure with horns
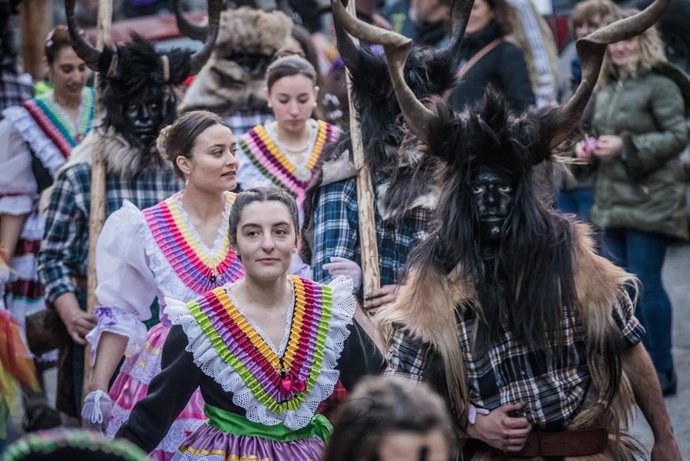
{"x": 401, "y": 173}
{"x": 507, "y": 310}
{"x": 137, "y": 94}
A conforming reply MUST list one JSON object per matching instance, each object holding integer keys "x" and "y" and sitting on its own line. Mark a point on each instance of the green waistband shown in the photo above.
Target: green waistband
{"x": 232, "y": 423}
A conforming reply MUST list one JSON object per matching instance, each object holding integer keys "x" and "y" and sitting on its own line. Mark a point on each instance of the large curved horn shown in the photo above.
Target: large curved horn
{"x": 200, "y": 57}
{"x": 348, "y": 50}
{"x": 81, "y": 46}
{"x": 591, "y": 50}
{"x": 460, "y": 14}
{"x": 397, "y": 48}
{"x": 193, "y": 31}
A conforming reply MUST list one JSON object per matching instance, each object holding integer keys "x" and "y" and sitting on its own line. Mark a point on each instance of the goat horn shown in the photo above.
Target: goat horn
{"x": 397, "y": 48}
{"x": 193, "y": 31}
{"x": 81, "y": 46}
{"x": 460, "y": 14}
{"x": 200, "y": 57}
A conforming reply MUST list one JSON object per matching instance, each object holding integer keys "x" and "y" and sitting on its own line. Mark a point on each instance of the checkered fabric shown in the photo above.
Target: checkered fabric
{"x": 336, "y": 231}
{"x": 242, "y": 122}
{"x": 14, "y": 89}
{"x": 553, "y": 383}
{"x": 64, "y": 250}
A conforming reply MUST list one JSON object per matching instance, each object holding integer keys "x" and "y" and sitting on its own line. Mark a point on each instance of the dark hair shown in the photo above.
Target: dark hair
{"x": 57, "y": 39}
{"x": 504, "y": 15}
{"x": 379, "y": 406}
{"x": 261, "y": 194}
{"x": 178, "y": 139}
{"x": 287, "y": 66}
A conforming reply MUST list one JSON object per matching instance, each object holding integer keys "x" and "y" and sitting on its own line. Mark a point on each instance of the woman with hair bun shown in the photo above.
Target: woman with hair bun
{"x": 178, "y": 248}
{"x": 37, "y": 137}
{"x": 286, "y": 153}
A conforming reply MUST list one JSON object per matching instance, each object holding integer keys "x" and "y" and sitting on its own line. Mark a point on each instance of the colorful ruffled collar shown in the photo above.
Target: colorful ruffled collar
{"x": 200, "y": 269}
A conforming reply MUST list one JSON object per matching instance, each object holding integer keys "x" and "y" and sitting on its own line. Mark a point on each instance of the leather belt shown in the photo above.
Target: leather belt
{"x": 564, "y": 443}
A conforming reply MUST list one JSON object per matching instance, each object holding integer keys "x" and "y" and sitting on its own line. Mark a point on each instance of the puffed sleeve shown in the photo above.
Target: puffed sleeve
{"x": 126, "y": 286}
{"x": 18, "y": 189}
{"x": 169, "y": 392}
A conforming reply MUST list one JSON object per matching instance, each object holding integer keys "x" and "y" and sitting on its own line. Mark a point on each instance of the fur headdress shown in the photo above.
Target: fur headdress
{"x": 137, "y": 72}
{"x": 234, "y": 78}
{"x": 388, "y": 146}
{"x": 538, "y": 259}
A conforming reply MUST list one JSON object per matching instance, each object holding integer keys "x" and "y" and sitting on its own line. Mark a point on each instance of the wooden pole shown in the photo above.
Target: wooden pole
{"x": 98, "y": 171}
{"x": 369, "y": 254}
{"x": 34, "y": 25}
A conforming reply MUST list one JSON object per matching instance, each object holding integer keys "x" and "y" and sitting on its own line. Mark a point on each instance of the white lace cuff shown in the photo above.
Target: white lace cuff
{"x": 16, "y": 204}
{"x": 120, "y": 322}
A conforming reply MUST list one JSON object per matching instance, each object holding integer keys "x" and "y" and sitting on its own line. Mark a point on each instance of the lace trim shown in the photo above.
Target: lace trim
{"x": 263, "y": 154}
{"x": 49, "y": 138}
{"x": 120, "y": 322}
{"x": 17, "y": 204}
{"x": 246, "y": 367}
{"x": 178, "y": 259}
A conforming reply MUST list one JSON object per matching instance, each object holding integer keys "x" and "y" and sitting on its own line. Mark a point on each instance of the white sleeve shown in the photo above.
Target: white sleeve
{"x": 18, "y": 189}
{"x": 126, "y": 285}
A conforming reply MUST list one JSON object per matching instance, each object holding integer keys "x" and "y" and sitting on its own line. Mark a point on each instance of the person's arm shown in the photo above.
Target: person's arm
{"x": 646, "y": 152}
{"x": 335, "y": 227}
{"x": 62, "y": 251}
{"x": 169, "y": 392}
{"x": 126, "y": 289}
{"x": 645, "y": 386}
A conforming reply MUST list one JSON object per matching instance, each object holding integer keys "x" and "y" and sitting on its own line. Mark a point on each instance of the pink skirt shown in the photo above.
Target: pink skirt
{"x": 132, "y": 385}
{"x": 212, "y": 444}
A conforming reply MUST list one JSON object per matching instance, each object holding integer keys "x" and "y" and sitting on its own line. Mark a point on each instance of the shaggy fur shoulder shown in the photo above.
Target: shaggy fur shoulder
{"x": 428, "y": 301}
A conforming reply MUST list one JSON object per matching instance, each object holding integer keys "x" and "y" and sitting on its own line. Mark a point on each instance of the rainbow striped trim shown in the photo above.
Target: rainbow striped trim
{"x": 263, "y": 153}
{"x": 198, "y": 270}
{"x": 51, "y": 120}
{"x": 241, "y": 347}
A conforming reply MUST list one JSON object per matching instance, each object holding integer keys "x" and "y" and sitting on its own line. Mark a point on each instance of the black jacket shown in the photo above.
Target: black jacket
{"x": 503, "y": 67}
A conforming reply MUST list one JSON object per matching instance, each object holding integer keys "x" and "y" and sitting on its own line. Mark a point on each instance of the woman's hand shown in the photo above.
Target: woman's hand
{"x": 77, "y": 322}
{"x": 387, "y": 294}
{"x": 608, "y": 147}
{"x": 501, "y": 430}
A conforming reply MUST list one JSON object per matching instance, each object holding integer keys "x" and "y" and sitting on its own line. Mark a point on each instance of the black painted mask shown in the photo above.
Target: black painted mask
{"x": 145, "y": 118}
{"x": 493, "y": 198}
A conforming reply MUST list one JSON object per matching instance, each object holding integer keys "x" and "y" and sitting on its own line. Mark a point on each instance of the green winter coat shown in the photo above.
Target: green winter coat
{"x": 643, "y": 189}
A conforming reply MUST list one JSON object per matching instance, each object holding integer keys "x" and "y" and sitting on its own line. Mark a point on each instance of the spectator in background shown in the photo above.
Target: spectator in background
{"x": 424, "y": 21}
{"x": 639, "y": 194}
{"x": 575, "y": 187}
{"x": 391, "y": 419}
{"x": 585, "y": 18}
{"x": 488, "y": 59}
{"x": 14, "y": 88}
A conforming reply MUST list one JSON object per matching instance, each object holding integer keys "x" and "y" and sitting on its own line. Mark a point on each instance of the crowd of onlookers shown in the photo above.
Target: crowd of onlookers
{"x": 625, "y": 177}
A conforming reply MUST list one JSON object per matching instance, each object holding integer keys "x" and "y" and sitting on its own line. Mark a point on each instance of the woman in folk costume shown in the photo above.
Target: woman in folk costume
{"x": 286, "y": 153}
{"x": 36, "y": 137}
{"x": 178, "y": 248}
{"x": 265, "y": 351}
{"x": 507, "y": 310}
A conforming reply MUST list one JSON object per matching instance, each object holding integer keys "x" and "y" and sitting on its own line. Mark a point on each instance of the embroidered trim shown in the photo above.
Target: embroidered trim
{"x": 265, "y": 156}
{"x": 42, "y": 125}
{"x": 181, "y": 247}
{"x": 229, "y": 350}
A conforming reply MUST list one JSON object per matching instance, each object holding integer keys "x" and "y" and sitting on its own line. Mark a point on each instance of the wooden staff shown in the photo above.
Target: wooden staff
{"x": 98, "y": 171}
{"x": 369, "y": 253}
{"x": 34, "y": 25}
{"x": 368, "y": 247}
